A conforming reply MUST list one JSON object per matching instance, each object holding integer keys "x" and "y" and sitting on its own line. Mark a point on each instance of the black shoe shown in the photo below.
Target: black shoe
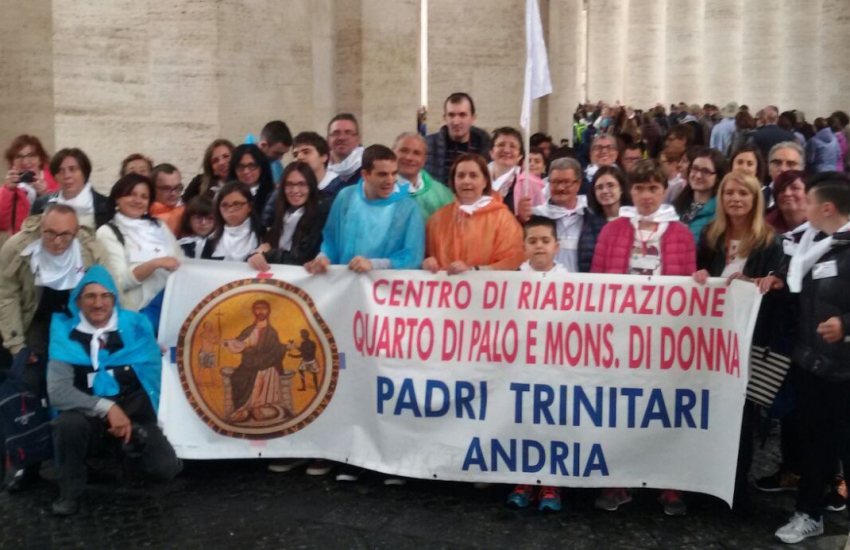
{"x": 65, "y": 507}
{"x": 23, "y": 481}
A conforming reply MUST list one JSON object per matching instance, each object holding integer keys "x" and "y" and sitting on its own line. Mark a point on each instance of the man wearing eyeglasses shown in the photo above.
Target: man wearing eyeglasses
{"x": 346, "y": 153}
{"x": 38, "y": 268}
{"x": 168, "y": 187}
{"x": 104, "y": 379}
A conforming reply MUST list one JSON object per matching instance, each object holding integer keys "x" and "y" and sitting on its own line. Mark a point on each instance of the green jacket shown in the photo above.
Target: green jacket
{"x": 18, "y": 294}
{"x": 433, "y": 195}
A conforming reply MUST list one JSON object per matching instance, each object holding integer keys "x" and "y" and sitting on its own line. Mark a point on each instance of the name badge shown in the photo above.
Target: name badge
{"x": 645, "y": 262}
{"x": 568, "y": 243}
{"x": 825, "y": 270}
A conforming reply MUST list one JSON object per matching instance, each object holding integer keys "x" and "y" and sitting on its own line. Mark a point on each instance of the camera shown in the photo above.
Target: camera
{"x": 27, "y": 177}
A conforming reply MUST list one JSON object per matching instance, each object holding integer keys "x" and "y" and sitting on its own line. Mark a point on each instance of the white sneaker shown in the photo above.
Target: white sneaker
{"x": 286, "y": 464}
{"x": 800, "y": 527}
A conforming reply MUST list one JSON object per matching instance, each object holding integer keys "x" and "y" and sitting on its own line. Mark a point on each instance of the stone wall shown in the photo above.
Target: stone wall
{"x": 164, "y": 79}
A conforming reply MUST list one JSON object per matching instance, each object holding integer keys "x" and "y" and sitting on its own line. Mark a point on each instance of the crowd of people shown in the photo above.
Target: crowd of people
{"x": 700, "y": 192}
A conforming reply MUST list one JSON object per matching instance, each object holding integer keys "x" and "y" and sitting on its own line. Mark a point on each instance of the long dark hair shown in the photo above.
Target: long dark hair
{"x": 124, "y": 187}
{"x": 265, "y": 184}
{"x": 686, "y": 196}
{"x": 311, "y": 208}
{"x": 620, "y": 176}
{"x": 208, "y": 177}
{"x": 761, "y": 165}
{"x": 245, "y": 191}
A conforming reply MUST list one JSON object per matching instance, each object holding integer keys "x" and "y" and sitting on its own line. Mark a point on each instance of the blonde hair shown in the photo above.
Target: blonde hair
{"x": 760, "y": 234}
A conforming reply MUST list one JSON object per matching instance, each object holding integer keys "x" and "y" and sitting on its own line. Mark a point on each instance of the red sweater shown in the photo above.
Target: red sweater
{"x": 12, "y": 211}
{"x": 614, "y": 249}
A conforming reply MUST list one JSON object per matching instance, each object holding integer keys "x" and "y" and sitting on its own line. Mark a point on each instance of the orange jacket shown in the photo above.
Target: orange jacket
{"x": 491, "y": 236}
{"x": 169, "y": 216}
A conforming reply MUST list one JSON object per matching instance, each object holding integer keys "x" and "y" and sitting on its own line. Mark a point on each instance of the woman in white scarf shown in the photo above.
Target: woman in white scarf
{"x": 517, "y": 190}
{"x": 238, "y": 235}
{"x": 142, "y": 251}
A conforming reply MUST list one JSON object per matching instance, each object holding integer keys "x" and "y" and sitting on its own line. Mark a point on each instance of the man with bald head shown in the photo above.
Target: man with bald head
{"x": 38, "y": 269}
{"x": 770, "y": 134}
{"x": 431, "y": 195}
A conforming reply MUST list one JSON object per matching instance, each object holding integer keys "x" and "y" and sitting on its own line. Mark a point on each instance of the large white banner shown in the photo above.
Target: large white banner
{"x": 505, "y": 377}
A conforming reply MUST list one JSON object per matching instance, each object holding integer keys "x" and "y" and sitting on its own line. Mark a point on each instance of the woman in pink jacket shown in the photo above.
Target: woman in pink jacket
{"x": 647, "y": 239}
{"x": 28, "y": 177}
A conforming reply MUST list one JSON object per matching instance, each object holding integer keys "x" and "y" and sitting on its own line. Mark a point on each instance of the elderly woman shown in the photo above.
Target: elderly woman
{"x": 789, "y": 188}
{"x": 27, "y": 179}
{"x": 72, "y": 168}
{"x": 476, "y": 231}
{"x": 216, "y": 166}
{"x": 238, "y": 234}
{"x": 142, "y": 250}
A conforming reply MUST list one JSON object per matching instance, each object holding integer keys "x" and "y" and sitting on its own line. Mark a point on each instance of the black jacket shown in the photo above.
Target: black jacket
{"x": 100, "y": 203}
{"x": 435, "y": 162}
{"x": 772, "y": 326}
{"x": 820, "y": 300}
{"x": 306, "y": 241}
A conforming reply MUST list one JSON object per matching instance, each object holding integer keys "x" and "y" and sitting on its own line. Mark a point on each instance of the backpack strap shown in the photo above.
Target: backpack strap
{"x": 118, "y": 234}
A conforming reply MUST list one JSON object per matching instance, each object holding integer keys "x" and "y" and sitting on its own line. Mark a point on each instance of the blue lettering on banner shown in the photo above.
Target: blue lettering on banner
{"x": 530, "y": 456}
{"x": 470, "y": 399}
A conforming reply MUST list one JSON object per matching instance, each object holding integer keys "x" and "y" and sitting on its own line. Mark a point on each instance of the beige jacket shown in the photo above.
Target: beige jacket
{"x": 18, "y": 294}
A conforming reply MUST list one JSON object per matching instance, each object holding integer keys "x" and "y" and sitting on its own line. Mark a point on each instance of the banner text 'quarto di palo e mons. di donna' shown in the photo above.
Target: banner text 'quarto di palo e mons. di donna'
{"x": 510, "y": 377}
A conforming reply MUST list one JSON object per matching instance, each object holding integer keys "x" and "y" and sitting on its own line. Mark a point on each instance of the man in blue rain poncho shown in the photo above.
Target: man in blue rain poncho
{"x": 374, "y": 224}
{"x": 103, "y": 377}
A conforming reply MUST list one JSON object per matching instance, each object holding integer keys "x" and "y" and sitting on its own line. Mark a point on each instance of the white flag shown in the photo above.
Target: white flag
{"x": 537, "y": 81}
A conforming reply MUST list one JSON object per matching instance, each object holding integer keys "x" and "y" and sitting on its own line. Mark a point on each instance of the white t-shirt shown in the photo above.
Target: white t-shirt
{"x": 734, "y": 262}
{"x": 646, "y": 251}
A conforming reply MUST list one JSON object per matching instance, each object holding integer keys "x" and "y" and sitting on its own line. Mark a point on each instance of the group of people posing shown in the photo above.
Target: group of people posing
{"x": 457, "y": 200}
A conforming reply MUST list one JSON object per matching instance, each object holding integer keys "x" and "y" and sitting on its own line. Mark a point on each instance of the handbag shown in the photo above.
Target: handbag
{"x": 767, "y": 372}
{"x": 24, "y": 419}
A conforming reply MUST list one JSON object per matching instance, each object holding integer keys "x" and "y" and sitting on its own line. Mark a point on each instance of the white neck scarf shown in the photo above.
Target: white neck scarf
{"x": 470, "y": 209}
{"x": 82, "y": 203}
{"x": 555, "y": 212}
{"x": 144, "y": 239}
{"x": 502, "y": 180}
{"x": 236, "y": 243}
{"x": 330, "y": 175}
{"x": 59, "y": 272}
{"x": 807, "y": 255}
{"x": 290, "y": 222}
{"x": 97, "y": 335}
{"x": 665, "y": 213}
{"x": 197, "y": 240}
{"x": 557, "y": 268}
{"x": 413, "y": 187}
{"x": 350, "y": 164}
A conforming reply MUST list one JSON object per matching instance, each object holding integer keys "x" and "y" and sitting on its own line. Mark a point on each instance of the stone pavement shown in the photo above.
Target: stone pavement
{"x": 239, "y": 504}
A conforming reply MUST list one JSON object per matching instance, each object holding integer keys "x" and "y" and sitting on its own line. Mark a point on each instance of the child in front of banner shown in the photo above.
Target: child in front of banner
{"x": 540, "y": 237}
{"x": 820, "y": 274}
{"x": 647, "y": 239}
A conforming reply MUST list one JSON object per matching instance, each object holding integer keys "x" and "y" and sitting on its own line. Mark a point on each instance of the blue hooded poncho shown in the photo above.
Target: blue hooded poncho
{"x": 390, "y": 228}
{"x": 140, "y": 351}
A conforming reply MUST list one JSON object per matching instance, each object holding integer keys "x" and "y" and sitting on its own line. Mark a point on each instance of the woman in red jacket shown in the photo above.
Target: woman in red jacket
{"x": 647, "y": 239}
{"x": 28, "y": 177}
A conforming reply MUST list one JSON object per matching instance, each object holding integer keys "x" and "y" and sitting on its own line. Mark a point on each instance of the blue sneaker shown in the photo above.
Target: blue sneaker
{"x": 521, "y": 497}
{"x": 550, "y": 499}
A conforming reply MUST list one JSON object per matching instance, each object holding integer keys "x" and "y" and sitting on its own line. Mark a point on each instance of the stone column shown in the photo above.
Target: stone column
{"x": 761, "y": 63}
{"x": 566, "y": 66}
{"x": 606, "y": 49}
{"x": 722, "y": 44}
{"x": 833, "y": 59}
{"x": 644, "y": 57}
{"x": 685, "y": 51}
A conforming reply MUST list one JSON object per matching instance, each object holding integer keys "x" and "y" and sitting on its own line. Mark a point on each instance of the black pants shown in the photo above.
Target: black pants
{"x": 791, "y": 434}
{"x": 76, "y": 436}
{"x": 824, "y": 415}
{"x": 741, "y": 499}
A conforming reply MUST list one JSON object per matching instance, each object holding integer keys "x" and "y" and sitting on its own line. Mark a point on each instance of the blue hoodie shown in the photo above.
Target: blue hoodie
{"x": 822, "y": 151}
{"x": 140, "y": 351}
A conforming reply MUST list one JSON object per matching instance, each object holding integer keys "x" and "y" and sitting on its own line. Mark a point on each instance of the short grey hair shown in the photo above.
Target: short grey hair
{"x": 59, "y": 209}
{"x": 597, "y": 137}
{"x": 566, "y": 163}
{"x": 406, "y": 135}
{"x": 789, "y": 145}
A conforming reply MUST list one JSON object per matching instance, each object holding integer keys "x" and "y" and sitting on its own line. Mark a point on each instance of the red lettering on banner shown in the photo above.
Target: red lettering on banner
{"x": 530, "y": 343}
{"x": 524, "y": 291}
{"x": 719, "y": 302}
{"x": 379, "y": 283}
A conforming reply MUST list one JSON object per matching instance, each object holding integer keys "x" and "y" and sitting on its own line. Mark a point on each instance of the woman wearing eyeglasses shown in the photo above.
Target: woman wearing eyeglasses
{"x": 28, "y": 178}
{"x": 250, "y": 166}
{"x": 142, "y": 250}
{"x": 300, "y": 215}
{"x": 238, "y": 234}
{"x": 168, "y": 207}
{"x": 697, "y": 202}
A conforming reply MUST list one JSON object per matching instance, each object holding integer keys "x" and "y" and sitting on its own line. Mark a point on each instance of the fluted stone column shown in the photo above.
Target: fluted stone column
{"x": 645, "y": 52}
{"x": 761, "y": 64}
{"x": 723, "y": 58}
{"x": 833, "y": 57}
{"x": 685, "y": 51}
{"x": 606, "y": 44}
{"x": 565, "y": 44}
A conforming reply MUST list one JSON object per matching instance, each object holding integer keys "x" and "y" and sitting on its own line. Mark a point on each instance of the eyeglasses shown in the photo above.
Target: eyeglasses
{"x": 602, "y": 148}
{"x": 27, "y": 156}
{"x": 233, "y": 205}
{"x": 704, "y": 172}
{"x": 789, "y": 164}
{"x": 565, "y": 183}
{"x": 202, "y": 218}
{"x": 248, "y": 167}
{"x": 94, "y": 296}
{"x": 65, "y": 236}
{"x": 343, "y": 133}
{"x": 170, "y": 190}
{"x": 296, "y": 185}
